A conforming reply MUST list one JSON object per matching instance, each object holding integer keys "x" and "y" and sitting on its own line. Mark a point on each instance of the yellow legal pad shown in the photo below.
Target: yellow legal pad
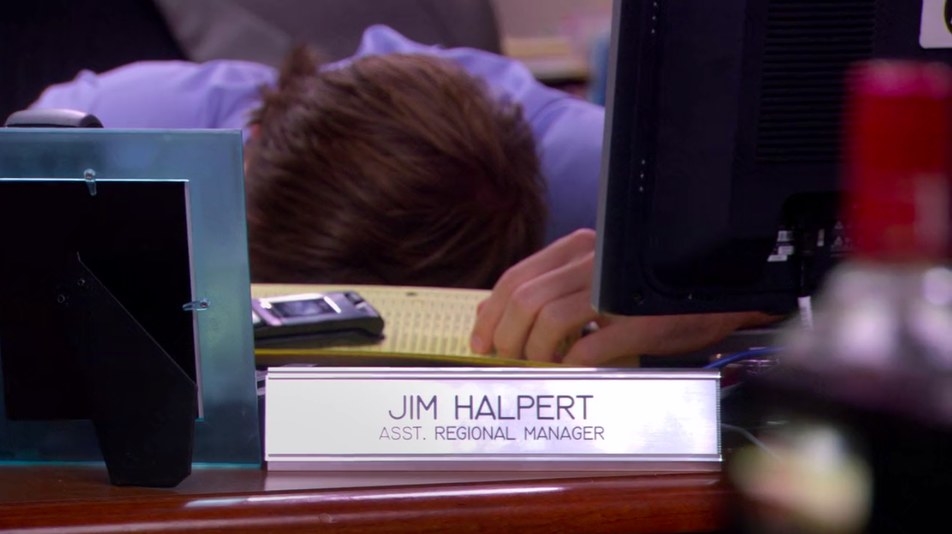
{"x": 423, "y": 326}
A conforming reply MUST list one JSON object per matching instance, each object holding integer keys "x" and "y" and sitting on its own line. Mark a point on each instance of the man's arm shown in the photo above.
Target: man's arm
{"x": 164, "y": 94}
{"x": 539, "y": 307}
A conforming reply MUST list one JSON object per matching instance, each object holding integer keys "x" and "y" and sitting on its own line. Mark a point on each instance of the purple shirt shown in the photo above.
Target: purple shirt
{"x": 222, "y": 94}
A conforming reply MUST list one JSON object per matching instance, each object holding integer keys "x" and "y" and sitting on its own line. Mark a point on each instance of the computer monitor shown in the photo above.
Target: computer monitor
{"x": 721, "y": 173}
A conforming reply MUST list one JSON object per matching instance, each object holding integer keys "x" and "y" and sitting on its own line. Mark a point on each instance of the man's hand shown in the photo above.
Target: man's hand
{"x": 538, "y": 308}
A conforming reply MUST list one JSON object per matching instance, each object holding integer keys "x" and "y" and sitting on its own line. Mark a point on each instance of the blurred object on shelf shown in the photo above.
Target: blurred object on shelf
{"x": 555, "y": 38}
{"x": 574, "y": 20}
{"x": 552, "y": 60}
{"x": 598, "y": 65}
{"x": 264, "y": 30}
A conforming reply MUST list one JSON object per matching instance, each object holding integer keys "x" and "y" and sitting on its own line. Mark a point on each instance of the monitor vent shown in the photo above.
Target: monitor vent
{"x": 808, "y": 45}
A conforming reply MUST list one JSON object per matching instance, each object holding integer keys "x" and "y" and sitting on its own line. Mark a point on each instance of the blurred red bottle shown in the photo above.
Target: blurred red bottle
{"x": 866, "y": 393}
{"x": 887, "y": 308}
{"x": 897, "y": 159}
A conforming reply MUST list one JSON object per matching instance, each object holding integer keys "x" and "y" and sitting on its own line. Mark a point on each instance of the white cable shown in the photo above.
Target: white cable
{"x": 806, "y": 311}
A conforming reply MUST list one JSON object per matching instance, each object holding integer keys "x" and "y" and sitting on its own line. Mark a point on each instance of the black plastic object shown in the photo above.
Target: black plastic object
{"x": 133, "y": 235}
{"x": 720, "y": 186}
{"x": 143, "y": 405}
{"x": 316, "y": 320}
{"x": 52, "y": 118}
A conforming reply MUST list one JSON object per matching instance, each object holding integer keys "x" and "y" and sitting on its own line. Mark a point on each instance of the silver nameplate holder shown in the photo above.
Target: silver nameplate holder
{"x": 464, "y": 419}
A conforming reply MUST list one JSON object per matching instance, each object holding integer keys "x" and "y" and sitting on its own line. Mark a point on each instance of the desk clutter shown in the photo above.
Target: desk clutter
{"x": 416, "y": 397}
{"x": 859, "y": 412}
{"x": 422, "y": 326}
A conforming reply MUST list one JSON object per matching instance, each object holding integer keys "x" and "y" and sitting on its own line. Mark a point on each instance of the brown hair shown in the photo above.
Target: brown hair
{"x": 394, "y": 169}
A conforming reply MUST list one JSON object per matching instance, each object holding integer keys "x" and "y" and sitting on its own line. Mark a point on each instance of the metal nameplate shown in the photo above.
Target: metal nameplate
{"x": 482, "y": 418}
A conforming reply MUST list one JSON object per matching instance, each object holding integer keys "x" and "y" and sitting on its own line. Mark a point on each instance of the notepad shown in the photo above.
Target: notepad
{"x": 424, "y": 326}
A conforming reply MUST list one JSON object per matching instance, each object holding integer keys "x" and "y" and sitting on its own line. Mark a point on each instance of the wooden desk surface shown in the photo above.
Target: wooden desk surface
{"x": 80, "y": 499}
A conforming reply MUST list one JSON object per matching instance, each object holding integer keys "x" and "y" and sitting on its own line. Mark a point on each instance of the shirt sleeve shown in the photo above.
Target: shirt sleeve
{"x": 165, "y": 94}
{"x": 568, "y": 130}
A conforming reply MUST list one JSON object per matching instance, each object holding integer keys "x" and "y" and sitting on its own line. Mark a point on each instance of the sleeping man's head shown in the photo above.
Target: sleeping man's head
{"x": 392, "y": 169}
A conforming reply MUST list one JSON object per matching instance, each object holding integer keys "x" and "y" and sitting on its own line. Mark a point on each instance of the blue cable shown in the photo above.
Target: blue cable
{"x": 738, "y": 356}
